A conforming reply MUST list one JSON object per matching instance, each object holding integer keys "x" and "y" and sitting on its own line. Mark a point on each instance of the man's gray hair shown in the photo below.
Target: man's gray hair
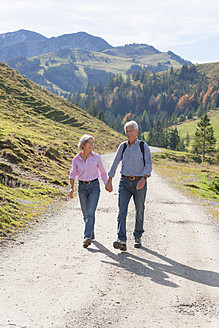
{"x": 84, "y": 139}
{"x": 131, "y": 123}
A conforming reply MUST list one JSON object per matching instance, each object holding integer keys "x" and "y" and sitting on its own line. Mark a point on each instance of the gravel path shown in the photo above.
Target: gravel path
{"x": 48, "y": 280}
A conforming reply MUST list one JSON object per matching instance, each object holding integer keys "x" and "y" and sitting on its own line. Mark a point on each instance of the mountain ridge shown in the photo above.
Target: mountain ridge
{"x": 29, "y": 44}
{"x": 66, "y": 63}
{"x": 21, "y": 41}
{"x": 10, "y": 38}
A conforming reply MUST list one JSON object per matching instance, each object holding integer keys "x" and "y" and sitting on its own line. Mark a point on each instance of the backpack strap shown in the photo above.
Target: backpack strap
{"x": 142, "y": 150}
{"x": 141, "y": 147}
{"x": 124, "y": 148}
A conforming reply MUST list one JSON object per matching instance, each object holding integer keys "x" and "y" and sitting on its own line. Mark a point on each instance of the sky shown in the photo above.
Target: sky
{"x": 189, "y": 28}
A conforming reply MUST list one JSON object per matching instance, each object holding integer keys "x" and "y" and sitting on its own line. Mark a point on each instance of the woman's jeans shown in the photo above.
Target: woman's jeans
{"x": 89, "y": 195}
{"x": 127, "y": 189}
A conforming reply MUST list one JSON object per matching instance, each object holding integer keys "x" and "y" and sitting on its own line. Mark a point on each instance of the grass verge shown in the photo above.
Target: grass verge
{"x": 21, "y": 206}
{"x": 195, "y": 180}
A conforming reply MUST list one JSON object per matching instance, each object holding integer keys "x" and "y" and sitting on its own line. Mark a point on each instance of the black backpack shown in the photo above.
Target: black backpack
{"x": 141, "y": 146}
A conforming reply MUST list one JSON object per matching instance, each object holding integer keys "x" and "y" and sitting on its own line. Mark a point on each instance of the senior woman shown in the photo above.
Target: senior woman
{"x": 87, "y": 166}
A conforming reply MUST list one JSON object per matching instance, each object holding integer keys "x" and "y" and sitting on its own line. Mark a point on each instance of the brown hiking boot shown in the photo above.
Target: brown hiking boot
{"x": 120, "y": 244}
{"x": 86, "y": 242}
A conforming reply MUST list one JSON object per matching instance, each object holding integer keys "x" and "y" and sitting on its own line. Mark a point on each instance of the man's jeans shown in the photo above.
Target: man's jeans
{"x": 89, "y": 195}
{"x": 127, "y": 189}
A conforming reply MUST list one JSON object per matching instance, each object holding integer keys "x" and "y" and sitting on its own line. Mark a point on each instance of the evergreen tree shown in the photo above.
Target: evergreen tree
{"x": 181, "y": 146}
{"x": 157, "y": 137}
{"x": 204, "y": 140}
{"x": 92, "y": 109}
{"x": 117, "y": 124}
{"x": 187, "y": 139}
{"x": 174, "y": 139}
{"x": 101, "y": 116}
{"x": 99, "y": 88}
{"x": 150, "y": 137}
{"x": 171, "y": 71}
{"x": 200, "y": 110}
{"x": 145, "y": 123}
{"x": 89, "y": 88}
{"x": 216, "y": 101}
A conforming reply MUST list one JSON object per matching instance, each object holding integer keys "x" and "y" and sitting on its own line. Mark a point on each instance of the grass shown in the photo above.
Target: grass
{"x": 191, "y": 125}
{"x": 39, "y": 133}
{"x": 21, "y": 205}
{"x": 196, "y": 180}
{"x": 211, "y": 70}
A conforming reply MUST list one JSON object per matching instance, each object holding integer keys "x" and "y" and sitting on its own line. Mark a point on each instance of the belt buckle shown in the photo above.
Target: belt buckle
{"x": 132, "y": 177}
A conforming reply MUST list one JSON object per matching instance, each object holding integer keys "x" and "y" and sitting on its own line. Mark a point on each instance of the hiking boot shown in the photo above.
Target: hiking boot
{"x": 120, "y": 244}
{"x": 137, "y": 243}
{"x": 92, "y": 235}
{"x": 86, "y": 242}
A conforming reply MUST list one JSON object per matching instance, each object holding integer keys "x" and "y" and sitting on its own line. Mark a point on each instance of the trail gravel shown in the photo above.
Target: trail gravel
{"x": 47, "y": 279}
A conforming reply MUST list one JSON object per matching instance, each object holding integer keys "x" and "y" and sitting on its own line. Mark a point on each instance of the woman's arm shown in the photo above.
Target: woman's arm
{"x": 71, "y": 192}
{"x": 102, "y": 170}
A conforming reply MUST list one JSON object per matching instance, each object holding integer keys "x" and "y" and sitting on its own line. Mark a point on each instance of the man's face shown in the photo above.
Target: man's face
{"x": 131, "y": 133}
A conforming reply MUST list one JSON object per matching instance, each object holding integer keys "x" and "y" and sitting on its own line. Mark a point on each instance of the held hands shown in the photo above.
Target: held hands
{"x": 109, "y": 186}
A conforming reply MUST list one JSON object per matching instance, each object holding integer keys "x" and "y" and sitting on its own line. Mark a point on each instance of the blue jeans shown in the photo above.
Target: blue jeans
{"x": 127, "y": 189}
{"x": 89, "y": 196}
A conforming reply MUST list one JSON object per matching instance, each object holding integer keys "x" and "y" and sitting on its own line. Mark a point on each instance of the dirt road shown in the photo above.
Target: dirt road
{"x": 48, "y": 280}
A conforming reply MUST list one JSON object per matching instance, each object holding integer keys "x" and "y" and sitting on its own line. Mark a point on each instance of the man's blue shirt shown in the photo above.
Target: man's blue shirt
{"x": 132, "y": 160}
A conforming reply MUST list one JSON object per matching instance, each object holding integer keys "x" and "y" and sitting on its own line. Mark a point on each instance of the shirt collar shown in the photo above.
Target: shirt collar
{"x": 134, "y": 143}
{"x": 78, "y": 155}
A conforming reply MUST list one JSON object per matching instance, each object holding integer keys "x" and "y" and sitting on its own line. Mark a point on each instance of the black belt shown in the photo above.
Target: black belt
{"x": 88, "y": 182}
{"x": 131, "y": 177}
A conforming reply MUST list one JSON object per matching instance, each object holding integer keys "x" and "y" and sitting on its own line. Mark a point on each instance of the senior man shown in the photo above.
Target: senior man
{"x": 136, "y": 168}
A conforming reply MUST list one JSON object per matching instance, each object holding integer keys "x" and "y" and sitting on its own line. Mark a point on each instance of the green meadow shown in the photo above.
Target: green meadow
{"x": 189, "y": 127}
{"x": 200, "y": 181}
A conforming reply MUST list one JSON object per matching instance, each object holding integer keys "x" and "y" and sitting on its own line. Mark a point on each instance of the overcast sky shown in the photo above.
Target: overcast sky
{"x": 190, "y": 28}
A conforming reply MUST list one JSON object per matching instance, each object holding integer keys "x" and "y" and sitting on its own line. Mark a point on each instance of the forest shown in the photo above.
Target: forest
{"x": 167, "y": 97}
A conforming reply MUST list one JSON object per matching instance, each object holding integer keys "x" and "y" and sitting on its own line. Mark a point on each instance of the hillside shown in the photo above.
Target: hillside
{"x": 211, "y": 70}
{"x": 39, "y": 133}
{"x": 65, "y": 64}
{"x": 69, "y": 70}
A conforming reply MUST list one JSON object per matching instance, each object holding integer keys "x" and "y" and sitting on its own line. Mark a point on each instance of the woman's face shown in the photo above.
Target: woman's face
{"x": 89, "y": 146}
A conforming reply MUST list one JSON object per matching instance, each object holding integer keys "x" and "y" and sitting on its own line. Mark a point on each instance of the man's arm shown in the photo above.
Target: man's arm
{"x": 148, "y": 161}
{"x": 147, "y": 168}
